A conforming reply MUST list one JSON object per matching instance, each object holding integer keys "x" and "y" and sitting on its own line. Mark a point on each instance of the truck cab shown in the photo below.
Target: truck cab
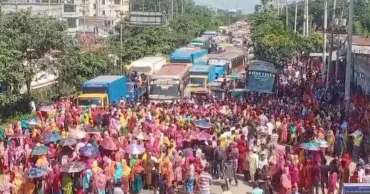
{"x": 221, "y": 67}
{"x": 200, "y": 76}
{"x": 135, "y": 91}
{"x": 93, "y": 100}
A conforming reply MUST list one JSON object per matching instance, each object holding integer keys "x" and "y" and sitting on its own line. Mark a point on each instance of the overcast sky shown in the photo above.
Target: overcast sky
{"x": 247, "y": 6}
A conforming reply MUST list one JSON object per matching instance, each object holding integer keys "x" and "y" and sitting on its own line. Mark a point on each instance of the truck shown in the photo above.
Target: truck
{"x": 201, "y": 42}
{"x": 102, "y": 90}
{"x": 221, "y": 67}
{"x": 196, "y": 56}
{"x": 200, "y": 76}
{"x": 148, "y": 65}
{"x": 169, "y": 83}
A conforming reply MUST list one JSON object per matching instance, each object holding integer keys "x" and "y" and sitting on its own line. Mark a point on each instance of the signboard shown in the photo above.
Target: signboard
{"x": 262, "y": 82}
{"x": 146, "y": 18}
{"x": 217, "y": 62}
{"x": 350, "y": 188}
{"x": 165, "y": 82}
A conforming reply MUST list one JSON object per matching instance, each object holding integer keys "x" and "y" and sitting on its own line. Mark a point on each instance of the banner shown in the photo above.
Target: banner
{"x": 262, "y": 82}
{"x": 349, "y": 188}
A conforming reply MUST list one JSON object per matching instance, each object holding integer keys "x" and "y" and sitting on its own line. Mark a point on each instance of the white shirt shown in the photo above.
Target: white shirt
{"x": 262, "y": 163}
{"x": 270, "y": 127}
{"x": 366, "y": 179}
{"x": 263, "y": 119}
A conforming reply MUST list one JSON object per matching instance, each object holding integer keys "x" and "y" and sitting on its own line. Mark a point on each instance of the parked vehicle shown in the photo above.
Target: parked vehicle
{"x": 196, "y": 56}
{"x": 169, "y": 83}
{"x": 200, "y": 76}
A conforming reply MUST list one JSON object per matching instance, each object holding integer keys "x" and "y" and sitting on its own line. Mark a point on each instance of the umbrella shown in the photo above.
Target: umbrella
{"x": 36, "y": 172}
{"x": 32, "y": 122}
{"x": 51, "y": 137}
{"x": 39, "y": 150}
{"x": 77, "y": 134}
{"x": 46, "y": 108}
{"x": 310, "y": 146}
{"x": 67, "y": 142}
{"x": 322, "y": 143}
{"x": 141, "y": 136}
{"x": 108, "y": 144}
{"x": 74, "y": 167}
{"x": 89, "y": 151}
{"x": 135, "y": 149}
{"x": 202, "y": 124}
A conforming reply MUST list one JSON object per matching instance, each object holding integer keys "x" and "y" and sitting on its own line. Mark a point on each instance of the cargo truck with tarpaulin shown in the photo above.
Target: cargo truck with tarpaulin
{"x": 221, "y": 67}
{"x": 200, "y": 76}
{"x": 168, "y": 84}
{"x": 233, "y": 57}
{"x": 196, "y": 56}
{"x": 201, "y": 42}
{"x": 261, "y": 77}
{"x": 102, "y": 91}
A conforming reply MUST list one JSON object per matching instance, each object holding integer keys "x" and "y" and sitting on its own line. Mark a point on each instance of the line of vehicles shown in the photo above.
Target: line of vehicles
{"x": 190, "y": 71}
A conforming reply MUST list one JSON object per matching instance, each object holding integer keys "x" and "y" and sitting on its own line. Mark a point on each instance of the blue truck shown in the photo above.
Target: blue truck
{"x": 200, "y": 76}
{"x": 196, "y": 56}
{"x": 221, "y": 67}
{"x": 107, "y": 89}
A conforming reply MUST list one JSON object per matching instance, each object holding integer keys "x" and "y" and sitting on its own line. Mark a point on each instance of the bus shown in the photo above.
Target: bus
{"x": 169, "y": 83}
{"x": 261, "y": 77}
{"x": 234, "y": 58}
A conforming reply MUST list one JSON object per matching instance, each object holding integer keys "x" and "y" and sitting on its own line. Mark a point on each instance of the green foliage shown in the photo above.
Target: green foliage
{"x": 141, "y": 41}
{"x": 275, "y": 43}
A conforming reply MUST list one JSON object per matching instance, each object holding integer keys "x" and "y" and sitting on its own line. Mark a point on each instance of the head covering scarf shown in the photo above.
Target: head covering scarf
{"x": 285, "y": 179}
{"x": 95, "y": 166}
{"x": 126, "y": 169}
{"x": 119, "y": 172}
{"x": 86, "y": 179}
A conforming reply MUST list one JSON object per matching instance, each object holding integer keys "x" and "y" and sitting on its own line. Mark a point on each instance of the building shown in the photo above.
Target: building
{"x": 80, "y": 15}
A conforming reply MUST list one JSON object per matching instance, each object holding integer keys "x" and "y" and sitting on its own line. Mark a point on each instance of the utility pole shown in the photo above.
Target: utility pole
{"x": 307, "y": 19}
{"x": 49, "y": 5}
{"x": 182, "y": 7}
{"x": 84, "y": 15}
{"x": 286, "y": 14}
{"x": 326, "y": 68}
{"x": 278, "y": 6}
{"x": 121, "y": 43}
{"x": 347, "y": 86}
{"x": 333, "y": 26}
{"x": 295, "y": 16}
{"x": 172, "y": 9}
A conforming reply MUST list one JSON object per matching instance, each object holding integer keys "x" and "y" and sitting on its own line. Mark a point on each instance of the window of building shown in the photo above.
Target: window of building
{"x": 71, "y": 22}
{"x": 94, "y": 6}
{"x": 103, "y": 2}
{"x": 117, "y": 2}
{"x": 125, "y": 2}
{"x": 69, "y": 8}
{"x": 103, "y": 12}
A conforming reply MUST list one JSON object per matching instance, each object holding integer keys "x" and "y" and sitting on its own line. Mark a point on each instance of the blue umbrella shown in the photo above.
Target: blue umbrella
{"x": 36, "y": 172}
{"x": 39, "y": 150}
{"x": 202, "y": 124}
{"x": 52, "y": 137}
{"x": 89, "y": 151}
{"x": 310, "y": 146}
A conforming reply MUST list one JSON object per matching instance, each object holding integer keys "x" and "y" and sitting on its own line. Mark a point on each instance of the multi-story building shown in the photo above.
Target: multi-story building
{"x": 80, "y": 15}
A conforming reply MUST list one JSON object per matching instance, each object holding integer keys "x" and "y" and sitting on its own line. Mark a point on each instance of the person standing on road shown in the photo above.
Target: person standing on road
{"x": 205, "y": 182}
{"x": 253, "y": 163}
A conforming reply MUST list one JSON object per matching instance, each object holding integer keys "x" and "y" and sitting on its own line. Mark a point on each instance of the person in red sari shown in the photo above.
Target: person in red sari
{"x": 354, "y": 178}
{"x": 243, "y": 149}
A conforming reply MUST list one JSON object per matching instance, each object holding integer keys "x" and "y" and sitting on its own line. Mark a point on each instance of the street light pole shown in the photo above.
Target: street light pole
{"x": 333, "y": 26}
{"x": 347, "y": 86}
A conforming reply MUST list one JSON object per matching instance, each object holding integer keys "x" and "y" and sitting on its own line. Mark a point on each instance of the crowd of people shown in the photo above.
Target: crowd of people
{"x": 166, "y": 147}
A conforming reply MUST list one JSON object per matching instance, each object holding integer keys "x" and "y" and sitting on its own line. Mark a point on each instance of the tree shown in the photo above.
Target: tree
{"x": 31, "y": 36}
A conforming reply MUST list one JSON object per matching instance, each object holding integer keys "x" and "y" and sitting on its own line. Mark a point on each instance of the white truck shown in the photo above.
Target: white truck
{"x": 148, "y": 65}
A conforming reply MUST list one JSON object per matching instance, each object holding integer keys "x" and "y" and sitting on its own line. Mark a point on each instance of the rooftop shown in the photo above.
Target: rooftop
{"x": 104, "y": 79}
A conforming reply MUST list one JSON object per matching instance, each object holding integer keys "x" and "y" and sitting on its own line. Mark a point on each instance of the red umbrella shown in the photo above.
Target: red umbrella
{"x": 108, "y": 144}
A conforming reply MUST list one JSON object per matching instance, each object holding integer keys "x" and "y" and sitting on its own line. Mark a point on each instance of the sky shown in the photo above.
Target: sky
{"x": 247, "y": 6}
